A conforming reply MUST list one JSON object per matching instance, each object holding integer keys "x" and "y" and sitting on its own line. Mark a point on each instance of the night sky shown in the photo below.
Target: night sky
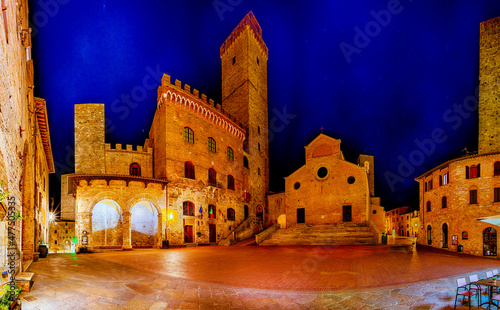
{"x": 388, "y": 78}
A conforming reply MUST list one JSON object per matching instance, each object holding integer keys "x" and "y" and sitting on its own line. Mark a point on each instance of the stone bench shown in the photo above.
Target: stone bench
{"x": 25, "y": 280}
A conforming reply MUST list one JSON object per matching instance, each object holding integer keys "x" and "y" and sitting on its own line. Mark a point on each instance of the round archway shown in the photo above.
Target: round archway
{"x": 144, "y": 225}
{"x": 107, "y": 224}
{"x": 490, "y": 242}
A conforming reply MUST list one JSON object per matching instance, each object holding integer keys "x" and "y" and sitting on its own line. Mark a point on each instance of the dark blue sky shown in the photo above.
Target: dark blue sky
{"x": 385, "y": 77}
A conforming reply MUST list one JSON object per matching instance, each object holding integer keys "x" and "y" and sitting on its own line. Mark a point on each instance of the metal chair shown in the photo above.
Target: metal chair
{"x": 473, "y": 286}
{"x": 462, "y": 285}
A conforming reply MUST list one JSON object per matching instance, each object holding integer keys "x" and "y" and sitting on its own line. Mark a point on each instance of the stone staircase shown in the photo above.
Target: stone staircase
{"x": 335, "y": 234}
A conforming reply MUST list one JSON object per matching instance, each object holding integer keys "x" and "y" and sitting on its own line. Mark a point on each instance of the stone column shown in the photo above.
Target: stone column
{"x": 160, "y": 232}
{"x": 127, "y": 231}
{"x": 84, "y": 223}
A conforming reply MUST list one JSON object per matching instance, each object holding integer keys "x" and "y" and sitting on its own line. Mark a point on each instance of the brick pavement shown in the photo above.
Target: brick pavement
{"x": 252, "y": 277}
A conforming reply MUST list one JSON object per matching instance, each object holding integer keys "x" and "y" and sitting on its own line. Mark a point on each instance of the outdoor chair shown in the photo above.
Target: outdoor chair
{"x": 495, "y": 272}
{"x": 462, "y": 285}
{"x": 473, "y": 286}
{"x": 489, "y": 274}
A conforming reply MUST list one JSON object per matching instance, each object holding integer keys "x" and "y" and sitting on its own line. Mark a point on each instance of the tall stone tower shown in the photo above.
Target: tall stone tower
{"x": 89, "y": 139}
{"x": 244, "y": 95}
{"x": 489, "y": 90}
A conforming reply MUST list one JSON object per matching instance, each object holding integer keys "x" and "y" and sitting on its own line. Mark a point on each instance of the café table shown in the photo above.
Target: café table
{"x": 490, "y": 283}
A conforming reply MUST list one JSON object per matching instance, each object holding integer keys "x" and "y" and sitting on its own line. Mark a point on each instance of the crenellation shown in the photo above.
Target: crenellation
{"x": 196, "y": 93}
{"x": 178, "y": 83}
{"x": 118, "y": 146}
{"x": 187, "y": 88}
{"x": 165, "y": 80}
{"x": 128, "y": 147}
{"x": 211, "y": 103}
{"x": 139, "y": 148}
{"x": 203, "y": 97}
{"x": 107, "y": 146}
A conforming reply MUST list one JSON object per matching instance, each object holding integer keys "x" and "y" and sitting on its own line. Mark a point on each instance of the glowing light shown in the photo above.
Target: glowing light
{"x": 170, "y": 216}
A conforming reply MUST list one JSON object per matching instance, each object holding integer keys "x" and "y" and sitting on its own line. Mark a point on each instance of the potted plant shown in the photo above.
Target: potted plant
{"x": 9, "y": 297}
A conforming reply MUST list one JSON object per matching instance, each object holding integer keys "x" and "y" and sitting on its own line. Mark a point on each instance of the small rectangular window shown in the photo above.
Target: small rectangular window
{"x": 445, "y": 178}
{"x": 234, "y": 60}
{"x": 28, "y": 53}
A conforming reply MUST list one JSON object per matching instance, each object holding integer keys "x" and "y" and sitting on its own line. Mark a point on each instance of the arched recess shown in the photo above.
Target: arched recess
{"x": 259, "y": 213}
{"x": 107, "y": 224}
{"x": 144, "y": 225}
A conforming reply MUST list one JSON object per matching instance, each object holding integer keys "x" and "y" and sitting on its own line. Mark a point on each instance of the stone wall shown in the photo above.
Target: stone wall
{"x": 118, "y": 160}
{"x": 61, "y": 236}
{"x": 489, "y": 86}
{"x": 89, "y": 139}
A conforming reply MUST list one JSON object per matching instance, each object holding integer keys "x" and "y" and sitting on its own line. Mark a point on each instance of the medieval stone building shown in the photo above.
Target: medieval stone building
{"x": 25, "y": 148}
{"x": 456, "y": 196}
{"x": 202, "y": 173}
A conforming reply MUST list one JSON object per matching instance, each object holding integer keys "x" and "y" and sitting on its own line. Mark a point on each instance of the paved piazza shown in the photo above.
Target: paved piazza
{"x": 253, "y": 277}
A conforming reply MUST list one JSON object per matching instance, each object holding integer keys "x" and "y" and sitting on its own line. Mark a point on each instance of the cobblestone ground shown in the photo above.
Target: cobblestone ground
{"x": 250, "y": 277}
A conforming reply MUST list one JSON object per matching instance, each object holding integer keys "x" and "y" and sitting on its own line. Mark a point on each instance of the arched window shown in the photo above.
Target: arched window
{"x": 245, "y": 162}
{"x": 211, "y": 145}
{"x": 211, "y": 211}
{"x": 135, "y": 169}
{"x": 444, "y": 202}
{"x": 188, "y": 135}
{"x": 465, "y": 235}
{"x": 230, "y": 153}
{"x": 212, "y": 177}
{"x": 429, "y": 235}
{"x": 230, "y": 214}
{"x": 490, "y": 242}
{"x": 496, "y": 168}
{"x": 230, "y": 182}
{"x": 189, "y": 170}
{"x": 188, "y": 208}
{"x": 428, "y": 206}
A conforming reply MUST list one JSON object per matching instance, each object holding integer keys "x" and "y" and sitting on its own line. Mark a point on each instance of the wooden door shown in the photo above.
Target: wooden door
{"x": 301, "y": 215}
{"x": 346, "y": 213}
{"x": 212, "y": 233}
{"x": 188, "y": 234}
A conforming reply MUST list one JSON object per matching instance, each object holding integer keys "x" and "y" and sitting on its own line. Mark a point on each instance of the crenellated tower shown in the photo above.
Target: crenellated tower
{"x": 244, "y": 95}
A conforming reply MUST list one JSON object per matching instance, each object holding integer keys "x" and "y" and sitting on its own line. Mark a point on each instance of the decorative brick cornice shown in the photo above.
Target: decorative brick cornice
{"x": 174, "y": 93}
{"x": 251, "y": 22}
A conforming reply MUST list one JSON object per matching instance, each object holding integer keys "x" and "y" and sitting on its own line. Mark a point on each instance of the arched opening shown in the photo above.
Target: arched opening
{"x": 429, "y": 235}
{"x": 490, "y": 242}
{"x": 189, "y": 170}
{"x": 246, "y": 211}
{"x": 144, "y": 225}
{"x": 245, "y": 162}
{"x": 107, "y": 224}
{"x": 212, "y": 177}
{"x": 135, "y": 169}
{"x": 259, "y": 213}
{"x": 445, "y": 235}
{"x": 231, "y": 214}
